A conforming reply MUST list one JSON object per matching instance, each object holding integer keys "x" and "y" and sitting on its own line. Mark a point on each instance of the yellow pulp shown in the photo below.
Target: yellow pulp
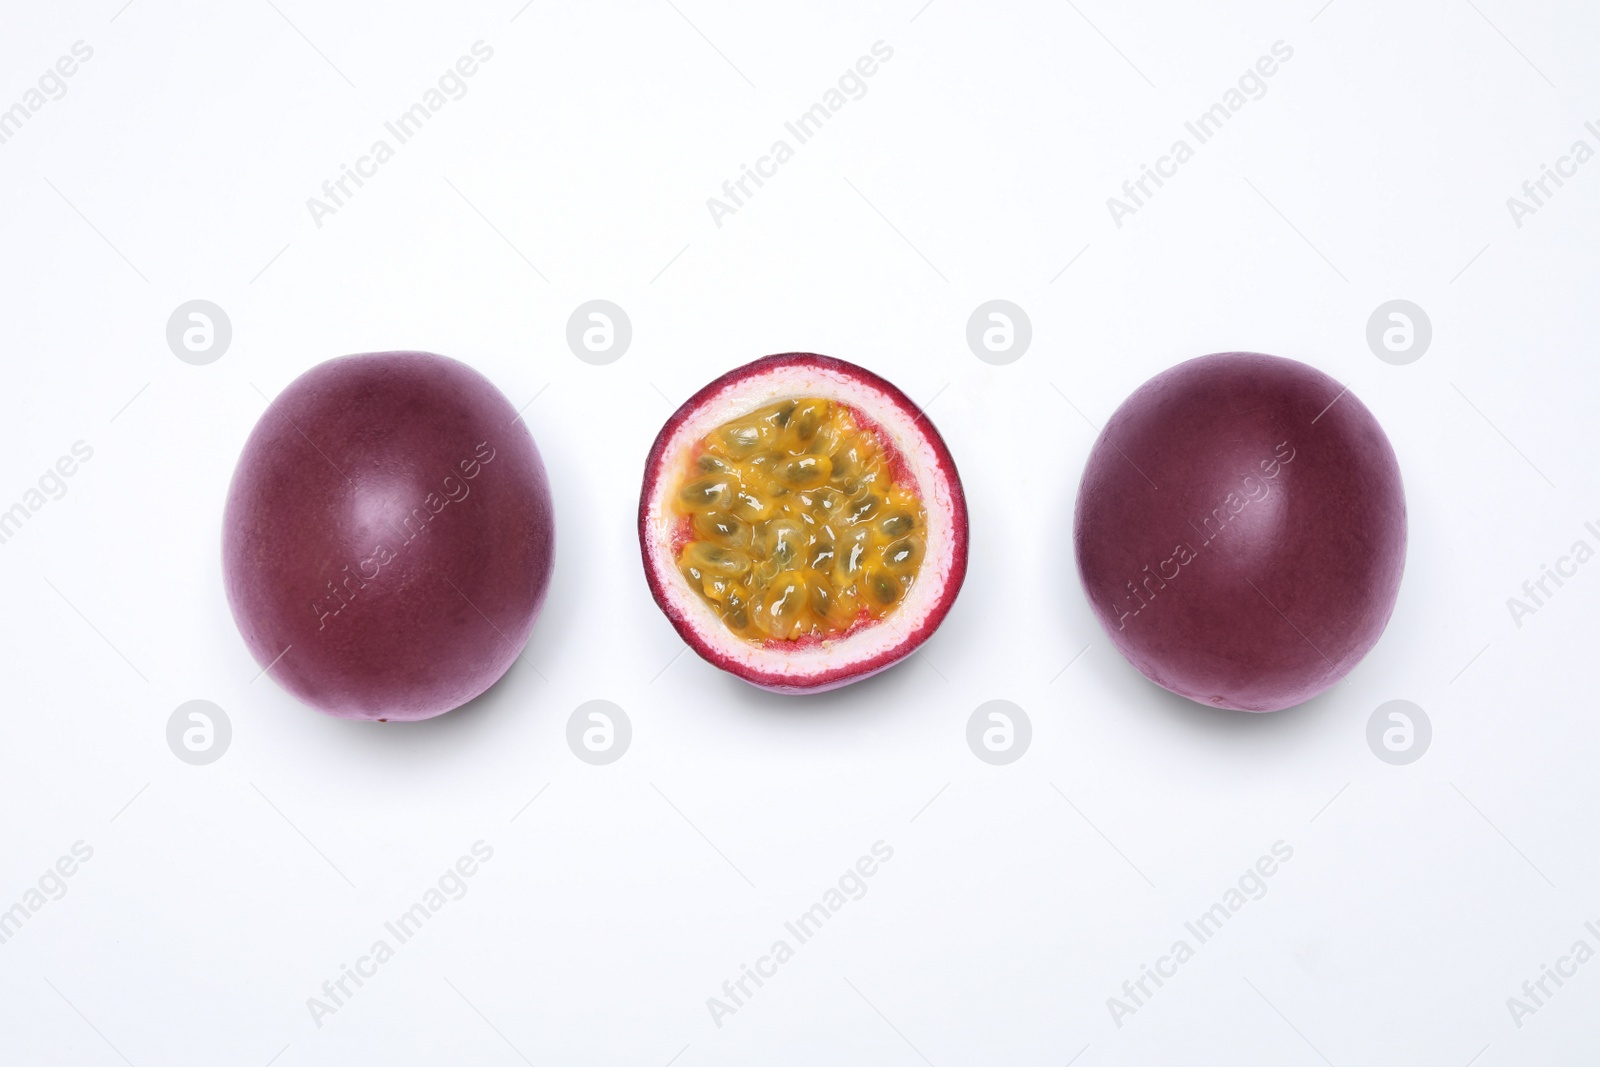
{"x": 797, "y": 527}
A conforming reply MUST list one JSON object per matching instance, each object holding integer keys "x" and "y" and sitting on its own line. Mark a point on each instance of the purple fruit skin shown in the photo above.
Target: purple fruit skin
{"x": 355, "y": 538}
{"x": 1288, "y": 583}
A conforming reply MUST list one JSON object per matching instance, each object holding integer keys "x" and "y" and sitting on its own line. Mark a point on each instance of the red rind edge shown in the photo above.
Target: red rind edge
{"x": 831, "y": 679}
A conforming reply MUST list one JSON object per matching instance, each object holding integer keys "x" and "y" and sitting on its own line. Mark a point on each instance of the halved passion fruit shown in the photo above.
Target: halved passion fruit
{"x": 802, "y": 523}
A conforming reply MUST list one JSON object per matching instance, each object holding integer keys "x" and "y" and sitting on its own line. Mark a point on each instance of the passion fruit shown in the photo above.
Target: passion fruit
{"x": 802, "y": 523}
{"x": 1241, "y": 530}
{"x": 388, "y": 537}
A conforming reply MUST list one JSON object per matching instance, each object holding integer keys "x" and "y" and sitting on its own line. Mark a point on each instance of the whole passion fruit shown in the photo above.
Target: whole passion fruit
{"x": 1241, "y": 530}
{"x": 388, "y": 537}
{"x": 802, "y": 523}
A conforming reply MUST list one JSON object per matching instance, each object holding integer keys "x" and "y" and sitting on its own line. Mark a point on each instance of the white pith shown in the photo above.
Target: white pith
{"x": 800, "y": 663}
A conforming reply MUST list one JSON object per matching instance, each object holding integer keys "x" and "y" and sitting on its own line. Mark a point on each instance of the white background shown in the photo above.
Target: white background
{"x": 977, "y": 166}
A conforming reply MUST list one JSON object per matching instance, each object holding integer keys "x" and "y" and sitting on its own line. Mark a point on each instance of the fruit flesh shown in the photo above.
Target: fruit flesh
{"x": 795, "y": 525}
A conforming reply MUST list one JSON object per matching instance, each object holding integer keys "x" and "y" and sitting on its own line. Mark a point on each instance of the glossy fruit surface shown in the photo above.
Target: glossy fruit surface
{"x": 388, "y": 537}
{"x": 802, "y": 523}
{"x": 1241, "y": 529}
